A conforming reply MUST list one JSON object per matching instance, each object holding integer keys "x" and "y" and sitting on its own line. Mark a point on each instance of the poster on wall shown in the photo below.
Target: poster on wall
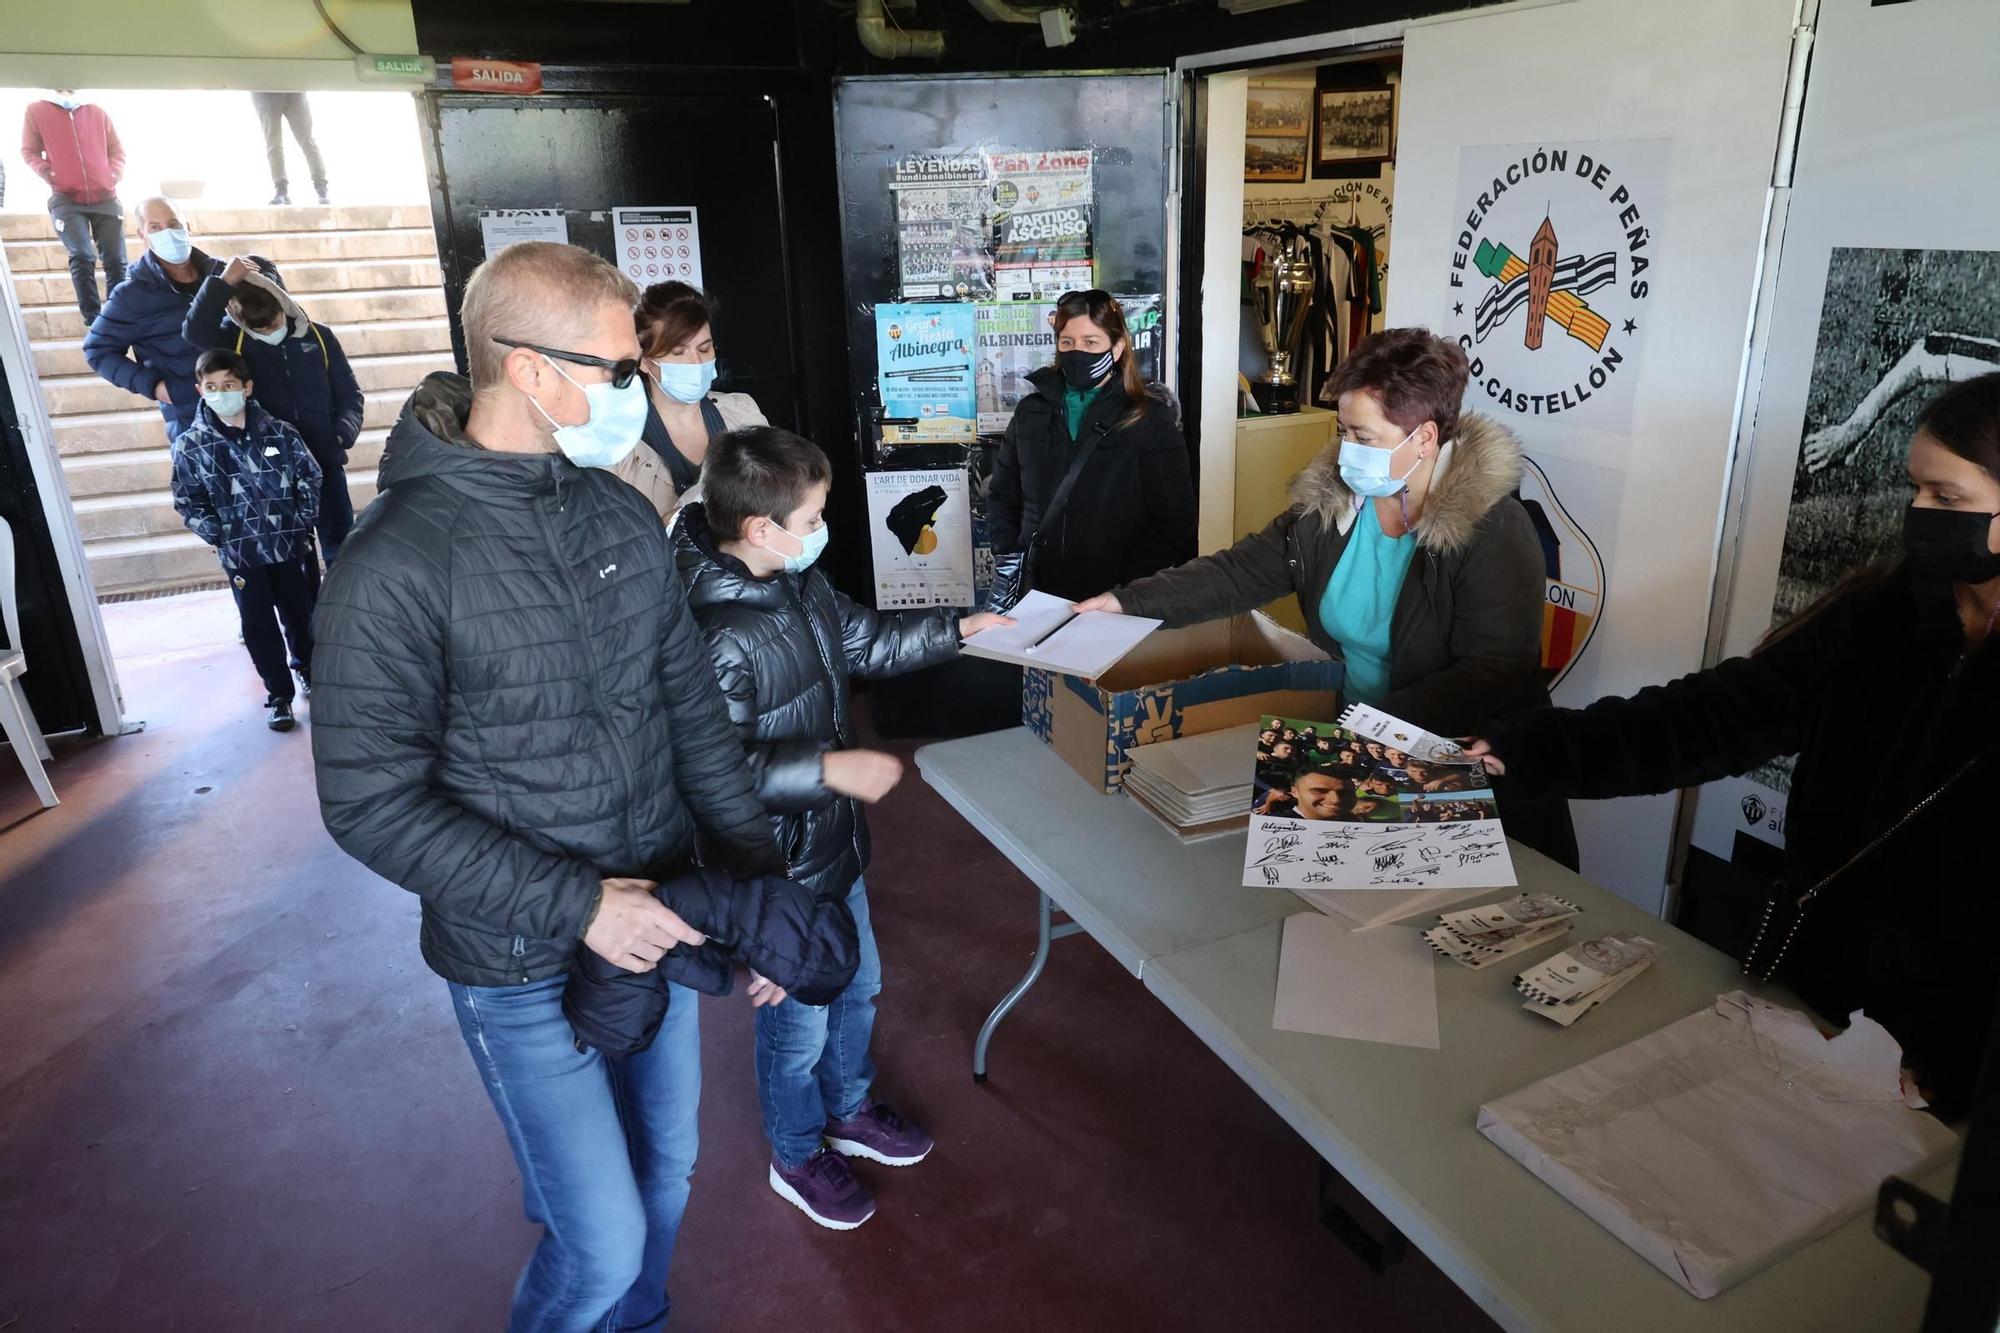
{"x": 1143, "y": 324}
{"x": 1042, "y": 205}
{"x": 658, "y": 244}
{"x": 1553, "y": 260}
{"x": 920, "y": 530}
{"x": 1895, "y": 327}
{"x": 1014, "y": 339}
{"x": 924, "y": 373}
{"x": 944, "y": 234}
{"x": 502, "y": 227}
{"x": 1572, "y": 569}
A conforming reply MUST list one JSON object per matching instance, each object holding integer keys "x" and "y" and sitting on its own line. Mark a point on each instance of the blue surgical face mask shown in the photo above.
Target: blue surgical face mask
{"x": 66, "y": 103}
{"x": 271, "y": 336}
{"x": 685, "y": 381}
{"x": 1364, "y": 468}
{"x": 812, "y": 544}
{"x": 225, "y": 403}
{"x": 172, "y": 245}
{"x": 612, "y": 430}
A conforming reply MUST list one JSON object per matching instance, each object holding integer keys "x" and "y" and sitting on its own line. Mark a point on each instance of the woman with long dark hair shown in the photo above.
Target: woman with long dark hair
{"x": 1130, "y": 509}
{"x": 677, "y": 342}
{"x": 1890, "y": 865}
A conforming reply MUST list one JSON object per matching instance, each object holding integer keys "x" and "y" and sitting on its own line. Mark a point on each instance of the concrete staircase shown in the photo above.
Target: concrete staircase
{"x": 368, "y": 273}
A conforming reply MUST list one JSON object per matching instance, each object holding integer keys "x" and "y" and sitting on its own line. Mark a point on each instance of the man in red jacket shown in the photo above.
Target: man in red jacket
{"x": 71, "y": 144}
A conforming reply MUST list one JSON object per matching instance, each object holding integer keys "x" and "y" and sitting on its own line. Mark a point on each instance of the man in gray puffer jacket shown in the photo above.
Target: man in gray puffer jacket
{"x": 515, "y": 719}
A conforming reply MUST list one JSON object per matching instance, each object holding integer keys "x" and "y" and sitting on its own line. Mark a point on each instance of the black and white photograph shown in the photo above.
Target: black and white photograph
{"x": 1274, "y": 160}
{"x": 1357, "y": 125}
{"x": 1896, "y": 327}
{"x": 1279, "y": 109}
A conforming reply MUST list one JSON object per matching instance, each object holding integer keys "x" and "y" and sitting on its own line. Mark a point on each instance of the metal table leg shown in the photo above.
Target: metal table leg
{"x": 1044, "y": 933}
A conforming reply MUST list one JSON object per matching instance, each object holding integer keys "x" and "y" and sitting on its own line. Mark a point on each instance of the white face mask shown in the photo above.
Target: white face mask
{"x": 271, "y": 336}
{"x": 610, "y": 432}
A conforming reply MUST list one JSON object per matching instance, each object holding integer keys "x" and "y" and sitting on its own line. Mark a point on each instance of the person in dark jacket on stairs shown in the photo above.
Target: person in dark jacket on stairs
{"x": 1412, "y": 560}
{"x": 515, "y": 719}
{"x": 784, "y": 644}
{"x": 1131, "y": 510}
{"x": 1888, "y": 691}
{"x": 301, "y": 371}
{"x": 136, "y": 342}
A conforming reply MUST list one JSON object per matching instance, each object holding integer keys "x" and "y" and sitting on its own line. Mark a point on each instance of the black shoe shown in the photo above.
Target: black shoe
{"x": 281, "y": 714}
{"x": 305, "y": 685}
{"x": 280, "y": 199}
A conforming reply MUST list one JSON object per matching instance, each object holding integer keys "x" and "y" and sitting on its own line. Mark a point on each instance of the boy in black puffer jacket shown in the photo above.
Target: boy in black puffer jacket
{"x": 784, "y": 644}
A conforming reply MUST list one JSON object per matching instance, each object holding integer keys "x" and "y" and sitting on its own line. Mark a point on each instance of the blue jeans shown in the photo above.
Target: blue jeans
{"x": 605, "y": 1148}
{"x": 812, "y": 1062}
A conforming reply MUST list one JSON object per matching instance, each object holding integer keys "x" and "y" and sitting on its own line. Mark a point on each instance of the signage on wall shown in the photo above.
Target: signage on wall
{"x": 1551, "y": 267}
{"x": 658, "y": 244}
{"x": 515, "y": 78}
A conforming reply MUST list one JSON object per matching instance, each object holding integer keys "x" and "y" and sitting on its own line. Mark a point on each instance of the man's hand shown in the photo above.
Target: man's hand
{"x": 162, "y": 394}
{"x": 633, "y": 929}
{"x": 763, "y": 991}
{"x": 1104, "y": 601}
{"x": 971, "y": 625}
{"x": 1483, "y": 752}
{"x": 866, "y": 775}
{"x": 238, "y": 269}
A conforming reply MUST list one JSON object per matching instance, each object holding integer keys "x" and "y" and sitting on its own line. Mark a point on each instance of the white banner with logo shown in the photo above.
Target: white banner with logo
{"x": 1550, "y": 272}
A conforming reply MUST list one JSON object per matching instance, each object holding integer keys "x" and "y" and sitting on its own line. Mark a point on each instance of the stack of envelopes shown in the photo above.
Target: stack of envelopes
{"x": 1198, "y": 786}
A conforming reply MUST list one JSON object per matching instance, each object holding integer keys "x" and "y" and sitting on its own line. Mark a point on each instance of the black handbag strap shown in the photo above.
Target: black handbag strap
{"x": 1053, "y": 509}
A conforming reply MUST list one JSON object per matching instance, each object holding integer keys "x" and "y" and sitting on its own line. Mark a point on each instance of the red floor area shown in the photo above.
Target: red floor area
{"x": 232, "y": 1096}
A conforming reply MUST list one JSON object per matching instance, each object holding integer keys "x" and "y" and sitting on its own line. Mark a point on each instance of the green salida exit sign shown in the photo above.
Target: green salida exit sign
{"x": 399, "y": 68}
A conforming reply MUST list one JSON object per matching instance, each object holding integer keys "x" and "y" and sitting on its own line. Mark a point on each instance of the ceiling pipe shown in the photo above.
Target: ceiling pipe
{"x": 998, "y": 11}
{"x": 871, "y": 24}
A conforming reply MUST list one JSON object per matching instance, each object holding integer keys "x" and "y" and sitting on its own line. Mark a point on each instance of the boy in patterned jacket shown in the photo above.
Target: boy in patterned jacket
{"x": 246, "y": 484}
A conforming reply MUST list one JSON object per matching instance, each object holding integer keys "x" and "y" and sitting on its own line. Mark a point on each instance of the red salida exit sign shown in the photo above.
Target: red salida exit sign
{"x": 518, "y": 77}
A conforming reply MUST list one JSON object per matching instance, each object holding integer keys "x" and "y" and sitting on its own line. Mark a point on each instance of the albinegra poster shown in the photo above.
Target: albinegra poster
{"x": 944, "y": 234}
{"x": 1015, "y": 339}
{"x": 923, "y": 360}
{"x": 920, "y": 531}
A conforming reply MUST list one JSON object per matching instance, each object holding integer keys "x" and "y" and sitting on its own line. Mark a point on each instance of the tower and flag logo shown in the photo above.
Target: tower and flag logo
{"x": 1552, "y": 264}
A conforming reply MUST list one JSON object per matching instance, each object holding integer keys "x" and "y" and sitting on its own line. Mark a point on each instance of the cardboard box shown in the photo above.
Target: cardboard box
{"x": 1179, "y": 682}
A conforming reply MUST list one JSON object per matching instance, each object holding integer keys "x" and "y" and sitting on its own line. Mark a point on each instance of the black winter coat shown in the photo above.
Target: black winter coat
{"x": 135, "y": 342}
{"x": 305, "y": 379}
{"x": 511, "y": 701}
{"x": 1875, "y": 698}
{"x": 783, "y": 649}
{"x": 1465, "y": 637}
{"x": 804, "y": 942}
{"x": 1132, "y": 511}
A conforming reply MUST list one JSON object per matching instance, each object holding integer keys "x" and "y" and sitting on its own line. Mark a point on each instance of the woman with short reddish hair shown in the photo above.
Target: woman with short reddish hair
{"x": 1412, "y": 560}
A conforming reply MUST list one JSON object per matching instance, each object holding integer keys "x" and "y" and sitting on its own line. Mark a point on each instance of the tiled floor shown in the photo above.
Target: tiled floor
{"x": 232, "y": 1097}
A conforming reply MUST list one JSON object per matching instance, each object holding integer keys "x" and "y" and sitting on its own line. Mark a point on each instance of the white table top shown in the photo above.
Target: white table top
{"x": 1102, "y": 859}
{"x": 1398, "y": 1122}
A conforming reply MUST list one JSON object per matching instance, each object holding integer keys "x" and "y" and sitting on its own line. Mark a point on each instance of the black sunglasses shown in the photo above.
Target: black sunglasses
{"x": 1083, "y": 297}
{"x": 622, "y": 372}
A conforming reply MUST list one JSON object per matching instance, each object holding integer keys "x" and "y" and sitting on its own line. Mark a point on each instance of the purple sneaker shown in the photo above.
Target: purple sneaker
{"x": 824, "y": 1188}
{"x": 880, "y": 1135}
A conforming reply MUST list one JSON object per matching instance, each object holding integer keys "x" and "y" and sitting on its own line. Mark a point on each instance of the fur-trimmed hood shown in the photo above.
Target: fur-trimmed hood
{"x": 1478, "y": 469}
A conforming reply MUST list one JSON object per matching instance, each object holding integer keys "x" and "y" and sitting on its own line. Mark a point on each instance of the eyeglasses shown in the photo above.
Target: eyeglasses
{"x": 622, "y": 372}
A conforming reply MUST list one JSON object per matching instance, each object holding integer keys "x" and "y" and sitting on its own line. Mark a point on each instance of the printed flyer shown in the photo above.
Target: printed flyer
{"x": 1042, "y": 207}
{"x": 920, "y": 532}
{"x": 658, "y": 244}
{"x": 944, "y": 232}
{"x": 1014, "y": 339}
{"x": 923, "y": 359}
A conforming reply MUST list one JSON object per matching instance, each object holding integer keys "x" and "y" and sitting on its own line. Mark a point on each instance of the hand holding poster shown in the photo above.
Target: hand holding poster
{"x": 1334, "y": 809}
